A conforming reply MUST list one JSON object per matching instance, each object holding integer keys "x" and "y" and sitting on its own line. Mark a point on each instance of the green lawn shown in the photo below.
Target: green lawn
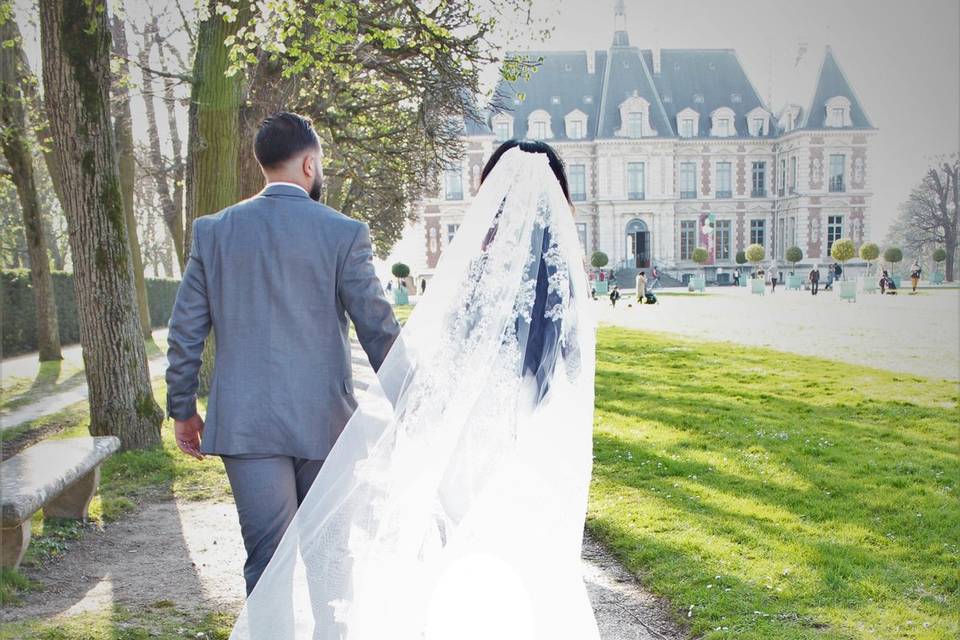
{"x": 768, "y": 495}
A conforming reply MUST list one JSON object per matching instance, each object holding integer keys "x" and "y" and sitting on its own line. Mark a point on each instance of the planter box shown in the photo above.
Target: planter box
{"x": 602, "y": 287}
{"x": 848, "y": 290}
{"x": 896, "y": 281}
{"x": 757, "y": 286}
{"x": 698, "y": 283}
{"x": 870, "y": 284}
{"x": 400, "y": 296}
{"x": 937, "y": 277}
{"x": 794, "y": 282}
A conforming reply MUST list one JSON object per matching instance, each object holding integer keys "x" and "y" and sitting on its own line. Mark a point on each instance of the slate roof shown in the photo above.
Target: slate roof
{"x": 701, "y": 79}
{"x": 560, "y": 84}
{"x": 705, "y": 80}
{"x": 830, "y": 83}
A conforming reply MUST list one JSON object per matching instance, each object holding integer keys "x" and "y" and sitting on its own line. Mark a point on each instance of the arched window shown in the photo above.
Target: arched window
{"x": 688, "y": 123}
{"x": 758, "y": 122}
{"x": 502, "y": 125}
{"x": 575, "y": 124}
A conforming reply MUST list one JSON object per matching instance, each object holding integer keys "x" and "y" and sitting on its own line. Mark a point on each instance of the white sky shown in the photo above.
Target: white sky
{"x": 902, "y": 58}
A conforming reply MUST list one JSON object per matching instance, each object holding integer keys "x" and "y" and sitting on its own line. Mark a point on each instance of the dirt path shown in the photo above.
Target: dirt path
{"x": 191, "y": 554}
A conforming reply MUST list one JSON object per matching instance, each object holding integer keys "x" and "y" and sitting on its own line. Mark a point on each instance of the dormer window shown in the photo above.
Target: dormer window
{"x": 838, "y": 112}
{"x": 538, "y": 125}
{"x": 502, "y": 124}
{"x": 758, "y": 122}
{"x": 722, "y": 123}
{"x": 575, "y": 124}
{"x": 688, "y": 123}
{"x": 635, "y": 118}
{"x": 790, "y": 118}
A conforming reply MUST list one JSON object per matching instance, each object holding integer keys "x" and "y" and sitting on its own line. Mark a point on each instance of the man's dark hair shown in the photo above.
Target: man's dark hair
{"x": 282, "y": 136}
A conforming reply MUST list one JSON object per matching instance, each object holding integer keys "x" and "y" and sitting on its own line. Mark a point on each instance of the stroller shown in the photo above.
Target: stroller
{"x": 649, "y": 298}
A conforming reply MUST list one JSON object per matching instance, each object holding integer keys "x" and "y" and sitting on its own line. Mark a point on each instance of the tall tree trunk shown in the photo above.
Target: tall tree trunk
{"x": 179, "y": 166}
{"x": 75, "y": 42}
{"x": 268, "y": 92}
{"x": 123, "y": 127}
{"x": 174, "y": 224}
{"x": 55, "y": 254}
{"x": 16, "y": 149}
{"x": 214, "y": 134}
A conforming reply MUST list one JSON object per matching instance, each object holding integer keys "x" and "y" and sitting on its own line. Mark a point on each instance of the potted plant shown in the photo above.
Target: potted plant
{"x": 841, "y": 251}
{"x": 868, "y": 253}
{"x": 755, "y": 254}
{"x": 598, "y": 261}
{"x": 741, "y": 259}
{"x": 400, "y": 271}
{"x": 700, "y": 256}
{"x": 793, "y": 256}
{"x": 938, "y": 256}
{"x": 892, "y": 256}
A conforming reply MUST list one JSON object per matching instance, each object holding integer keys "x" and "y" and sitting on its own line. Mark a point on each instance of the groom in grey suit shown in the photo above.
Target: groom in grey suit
{"x": 275, "y": 277}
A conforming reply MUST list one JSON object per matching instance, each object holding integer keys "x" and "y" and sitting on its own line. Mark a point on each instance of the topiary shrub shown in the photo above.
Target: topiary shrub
{"x": 843, "y": 250}
{"x": 893, "y": 255}
{"x": 939, "y": 255}
{"x": 755, "y": 254}
{"x": 700, "y": 256}
{"x": 794, "y": 255}
{"x": 599, "y": 260}
{"x": 741, "y": 258}
{"x": 868, "y": 253}
{"x": 400, "y": 271}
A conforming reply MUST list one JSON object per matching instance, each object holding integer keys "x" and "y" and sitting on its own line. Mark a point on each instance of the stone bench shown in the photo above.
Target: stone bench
{"x": 58, "y": 476}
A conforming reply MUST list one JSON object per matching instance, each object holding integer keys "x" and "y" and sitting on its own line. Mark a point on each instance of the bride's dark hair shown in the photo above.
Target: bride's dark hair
{"x": 531, "y": 146}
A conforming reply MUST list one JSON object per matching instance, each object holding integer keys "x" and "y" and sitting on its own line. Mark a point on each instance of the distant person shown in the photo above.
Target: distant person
{"x": 915, "y": 272}
{"x": 736, "y": 277}
{"x": 814, "y": 278}
{"x": 773, "y": 279}
{"x": 390, "y": 286}
{"x": 614, "y": 295}
{"x": 829, "y": 285}
{"x": 887, "y": 285}
{"x": 837, "y": 271}
{"x": 423, "y": 286}
{"x": 654, "y": 278}
{"x": 641, "y": 286}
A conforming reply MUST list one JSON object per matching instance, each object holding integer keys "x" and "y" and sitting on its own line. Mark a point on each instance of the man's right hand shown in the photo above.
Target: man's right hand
{"x": 187, "y": 433}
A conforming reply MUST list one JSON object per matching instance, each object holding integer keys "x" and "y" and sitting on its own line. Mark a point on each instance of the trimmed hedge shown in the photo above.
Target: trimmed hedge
{"x": 19, "y": 324}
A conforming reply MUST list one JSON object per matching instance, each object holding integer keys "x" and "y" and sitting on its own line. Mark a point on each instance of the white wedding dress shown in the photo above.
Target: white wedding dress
{"x": 452, "y": 506}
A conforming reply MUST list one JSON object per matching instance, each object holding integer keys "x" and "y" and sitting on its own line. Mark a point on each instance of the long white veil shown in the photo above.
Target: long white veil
{"x": 456, "y": 511}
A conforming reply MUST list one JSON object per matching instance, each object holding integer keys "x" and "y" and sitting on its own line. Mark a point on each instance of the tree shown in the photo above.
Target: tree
{"x": 15, "y": 142}
{"x": 158, "y": 165}
{"x": 75, "y": 41}
{"x": 400, "y": 271}
{"x": 123, "y": 129}
{"x": 599, "y": 260}
{"x": 929, "y": 217}
{"x": 701, "y": 256}
{"x": 793, "y": 256}
{"x": 842, "y": 250}
{"x": 741, "y": 258}
{"x": 868, "y": 253}
{"x": 892, "y": 256}
{"x": 388, "y": 85}
{"x": 755, "y": 254}
{"x": 213, "y": 141}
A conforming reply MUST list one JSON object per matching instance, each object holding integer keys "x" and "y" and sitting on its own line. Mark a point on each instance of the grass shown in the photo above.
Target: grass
{"x": 768, "y": 495}
{"x": 160, "y": 621}
{"x": 52, "y": 377}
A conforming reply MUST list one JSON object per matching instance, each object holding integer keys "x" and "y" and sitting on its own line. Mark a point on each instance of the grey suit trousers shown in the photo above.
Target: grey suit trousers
{"x": 268, "y": 490}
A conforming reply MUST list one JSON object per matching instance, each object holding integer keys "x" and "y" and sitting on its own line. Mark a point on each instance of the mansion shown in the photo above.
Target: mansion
{"x": 669, "y": 150}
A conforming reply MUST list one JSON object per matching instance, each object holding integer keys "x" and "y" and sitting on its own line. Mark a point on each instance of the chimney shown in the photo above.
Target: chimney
{"x": 656, "y": 61}
{"x": 591, "y": 62}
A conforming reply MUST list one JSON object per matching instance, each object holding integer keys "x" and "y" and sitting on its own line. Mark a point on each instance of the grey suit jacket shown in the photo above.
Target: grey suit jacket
{"x": 275, "y": 277}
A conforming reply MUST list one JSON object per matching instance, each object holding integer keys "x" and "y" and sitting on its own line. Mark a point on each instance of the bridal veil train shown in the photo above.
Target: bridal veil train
{"x": 452, "y": 506}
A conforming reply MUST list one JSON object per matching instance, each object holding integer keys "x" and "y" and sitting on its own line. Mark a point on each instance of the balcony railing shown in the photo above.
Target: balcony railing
{"x": 578, "y": 197}
{"x": 688, "y": 195}
{"x": 836, "y": 184}
{"x": 636, "y": 195}
{"x": 724, "y": 195}
{"x": 758, "y": 193}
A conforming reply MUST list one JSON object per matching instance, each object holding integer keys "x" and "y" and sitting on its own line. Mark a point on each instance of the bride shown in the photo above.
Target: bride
{"x": 452, "y": 506}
